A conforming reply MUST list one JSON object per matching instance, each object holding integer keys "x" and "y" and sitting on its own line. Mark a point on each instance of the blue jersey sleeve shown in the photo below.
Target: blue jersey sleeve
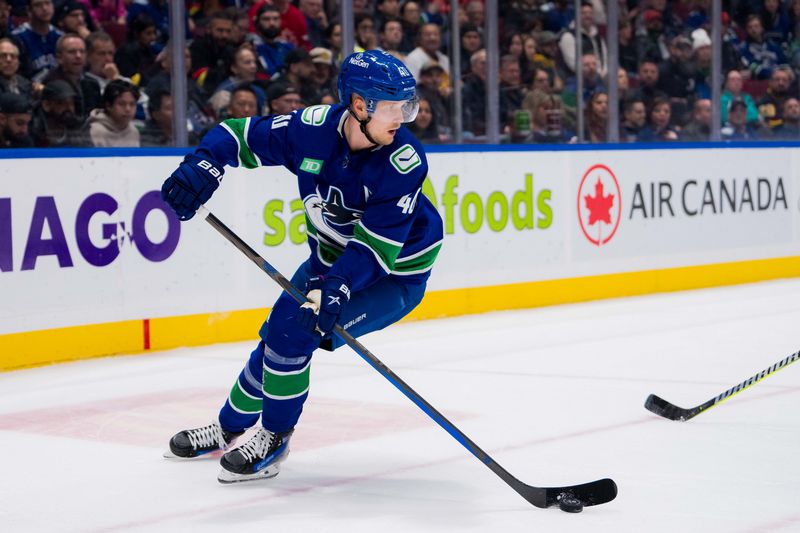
{"x": 251, "y": 142}
{"x": 381, "y": 234}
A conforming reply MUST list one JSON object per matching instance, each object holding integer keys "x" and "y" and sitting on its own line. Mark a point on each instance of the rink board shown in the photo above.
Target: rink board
{"x": 92, "y": 263}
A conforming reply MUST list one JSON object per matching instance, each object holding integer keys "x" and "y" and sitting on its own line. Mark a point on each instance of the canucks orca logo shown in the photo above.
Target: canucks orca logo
{"x": 334, "y": 210}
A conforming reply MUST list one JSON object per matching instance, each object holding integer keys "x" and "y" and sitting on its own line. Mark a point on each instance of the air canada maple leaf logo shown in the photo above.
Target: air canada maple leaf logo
{"x": 599, "y": 204}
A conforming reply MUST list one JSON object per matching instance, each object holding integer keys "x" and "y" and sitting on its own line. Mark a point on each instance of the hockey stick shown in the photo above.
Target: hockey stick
{"x": 662, "y": 407}
{"x": 593, "y": 493}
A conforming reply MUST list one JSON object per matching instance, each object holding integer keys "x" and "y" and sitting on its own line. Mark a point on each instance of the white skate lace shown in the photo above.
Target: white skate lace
{"x": 206, "y": 436}
{"x": 258, "y": 446}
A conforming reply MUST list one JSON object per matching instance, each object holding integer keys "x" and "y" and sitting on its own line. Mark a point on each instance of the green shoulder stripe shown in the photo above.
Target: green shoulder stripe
{"x": 238, "y": 127}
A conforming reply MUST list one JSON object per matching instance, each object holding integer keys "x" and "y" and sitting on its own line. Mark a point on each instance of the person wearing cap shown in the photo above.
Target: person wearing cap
{"x": 676, "y": 77}
{"x": 54, "y": 122}
{"x": 737, "y": 128}
{"x": 546, "y": 57}
{"x": 11, "y": 81}
{"x": 38, "y": 38}
{"x": 71, "y": 17}
{"x": 283, "y": 98}
{"x": 271, "y": 50}
{"x": 323, "y": 75}
{"x": 71, "y": 57}
{"x": 15, "y": 118}
{"x": 299, "y": 72}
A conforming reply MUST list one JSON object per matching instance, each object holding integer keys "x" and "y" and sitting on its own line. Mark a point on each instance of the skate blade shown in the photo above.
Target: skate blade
{"x": 216, "y": 454}
{"x": 226, "y": 478}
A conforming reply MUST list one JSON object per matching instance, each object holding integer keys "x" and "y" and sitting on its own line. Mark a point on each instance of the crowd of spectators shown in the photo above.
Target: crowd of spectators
{"x": 98, "y": 72}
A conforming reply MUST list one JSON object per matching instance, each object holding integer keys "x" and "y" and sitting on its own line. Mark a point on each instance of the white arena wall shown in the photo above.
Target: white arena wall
{"x": 91, "y": 262}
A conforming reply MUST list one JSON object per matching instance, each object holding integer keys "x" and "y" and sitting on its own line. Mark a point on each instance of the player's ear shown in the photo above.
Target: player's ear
{"x": 358, "y": 105}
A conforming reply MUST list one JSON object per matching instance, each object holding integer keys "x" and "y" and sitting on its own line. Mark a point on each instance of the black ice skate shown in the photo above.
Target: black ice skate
{"x": 193, "y": 443}
{"x": 258, "y": 458}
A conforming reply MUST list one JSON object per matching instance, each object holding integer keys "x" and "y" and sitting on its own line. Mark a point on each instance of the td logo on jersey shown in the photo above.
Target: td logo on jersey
{"x": 599, "y": 204}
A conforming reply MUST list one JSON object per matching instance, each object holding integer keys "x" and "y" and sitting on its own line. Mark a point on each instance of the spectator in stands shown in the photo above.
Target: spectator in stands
{"x": 701, "y": 57}
{"x": 112, "y": 125}
{"x": 430, "y": 86}
{"x": 511, "y": 90}
{"x": 366, "y": 38}
{"x": 651, "y": 40}
{"x": 282, "y": 98}
{"x": 157, "y": 130}
{"x": 546, "y": 119}
{"x": 198, "y": 113}
{"x": 15, "y": 118}
{"x": 243, "y": 71}
{"x": 100, "y": 52}
{"x": 592, "y": 82}
{"x": 424, "y": 126}
{"x": 271, "y": 51}
{"x": 471, "y": 42}
{"x": 294, "y": 29}
{"x": 411, "y": 18}
{"x": 628, "y": 52}
{"x": 38, "y": 38}
{"x": 676, "y": 76}
{"x": 71, "y": 17}
{"x": 157, "y": 11}
{"x": 391, "y": 37}
{"x": 323, "y": 75}
{"x": 54, "y": 122}
{"x": 387, "y": 10}
{"x": 5, "y": 18}
{"x": 547, "y": 57}
{"x": 428, "y": 49}
{"x": 699, "y": 128}
{"x": 770, "y": 105}
{"x": 648, "y": 89}
{"x": 102, "y": 11}
{"x": 790, "y": 126}
{"x": 596, "y": 118}
{"x": 623, "y": 85}
{"x": 333, "y": 38}
{"x": 737, "y": 128}
{"x": 733, "y": 90}
{"x": 473, "y": 96}
{"x": 592, "y": 41}
{"x": 241, "y": 25}
{"x": 316, "y": 20}
{"x": 299, "y": 72}
{"x": 634, "y": 117}
{"x": 476, "y": 14}
{"x": 777, "y": 26}
{"x": 212, "y": 55}
{"x": 71, "y": 58}
{"x": 136, "y": 60}
{"x": 658, "y": 127}
{"x": 513, "y": 46}
{"x": 760, "y": 55}
{"x": 10, "y": 79}
{"x": 244, "y": 102}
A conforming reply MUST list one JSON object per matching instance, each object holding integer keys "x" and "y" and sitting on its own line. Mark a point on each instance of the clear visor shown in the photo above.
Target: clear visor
{"x": 403, "y": 110}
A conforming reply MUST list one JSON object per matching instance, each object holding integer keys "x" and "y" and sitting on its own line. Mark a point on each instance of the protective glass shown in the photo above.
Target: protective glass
{"x": 403, "y": 110}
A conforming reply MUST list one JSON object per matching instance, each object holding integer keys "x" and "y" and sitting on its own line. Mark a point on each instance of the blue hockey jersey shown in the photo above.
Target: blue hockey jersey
{"x": 40, "y": 50}
{"x": 366, "y": 216}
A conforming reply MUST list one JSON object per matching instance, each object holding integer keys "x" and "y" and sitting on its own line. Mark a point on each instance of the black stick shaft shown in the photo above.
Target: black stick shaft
{"x": 376, "y": 363}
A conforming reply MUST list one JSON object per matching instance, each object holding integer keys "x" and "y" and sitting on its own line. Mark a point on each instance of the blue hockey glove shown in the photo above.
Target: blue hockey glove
{"x": 328, "y": 298}
{"x": 191, "y": 185}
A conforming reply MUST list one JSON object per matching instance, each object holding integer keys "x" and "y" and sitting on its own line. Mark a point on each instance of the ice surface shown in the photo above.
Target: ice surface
{"x": 555, "y": 395}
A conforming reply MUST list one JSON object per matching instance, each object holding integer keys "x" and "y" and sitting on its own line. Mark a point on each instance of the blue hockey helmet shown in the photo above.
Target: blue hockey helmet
{"x": 378, "y": 76}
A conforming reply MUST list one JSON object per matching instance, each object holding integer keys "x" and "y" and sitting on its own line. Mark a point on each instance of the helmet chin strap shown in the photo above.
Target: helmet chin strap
{"x": 363, "y": 125}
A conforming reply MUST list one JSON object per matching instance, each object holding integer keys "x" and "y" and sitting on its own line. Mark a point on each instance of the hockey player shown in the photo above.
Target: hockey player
{"x": 373, "y": 238}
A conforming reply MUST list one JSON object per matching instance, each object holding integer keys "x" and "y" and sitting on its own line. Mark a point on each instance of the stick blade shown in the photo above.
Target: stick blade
{"x": 592, "y": 493}
{"x": 663, "y": 408}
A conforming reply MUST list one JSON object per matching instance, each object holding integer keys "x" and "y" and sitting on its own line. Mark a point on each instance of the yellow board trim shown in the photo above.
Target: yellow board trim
{"x": 35, "y": 348}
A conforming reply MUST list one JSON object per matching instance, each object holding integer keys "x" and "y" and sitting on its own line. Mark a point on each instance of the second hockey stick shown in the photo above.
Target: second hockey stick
{"x": 662, "y": 407}
{"x": 592, "y": 493}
